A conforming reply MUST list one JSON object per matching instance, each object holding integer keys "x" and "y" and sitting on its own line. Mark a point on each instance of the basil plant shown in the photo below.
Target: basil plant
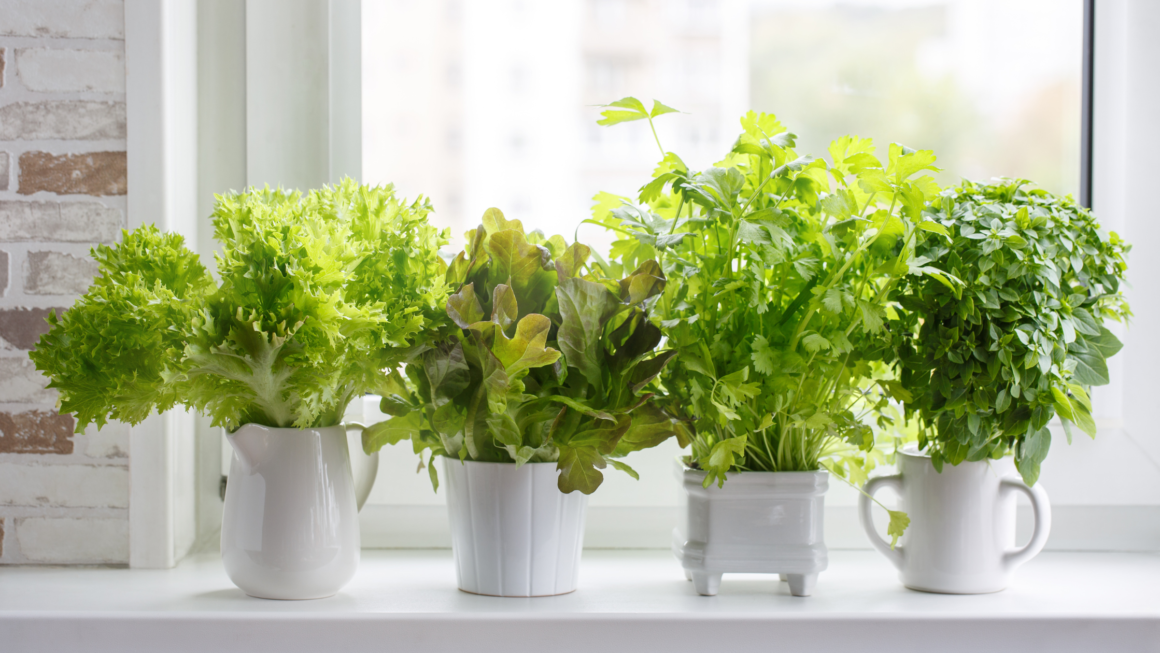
{"x": 987, "y": 363}
{"x": 543, "y": 358}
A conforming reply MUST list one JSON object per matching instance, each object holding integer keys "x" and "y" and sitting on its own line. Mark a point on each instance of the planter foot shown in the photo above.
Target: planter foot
{"x": 801, "y": 584}
{"x": 688, "y": 575}
{"x": 706, "y": 583}
{"x": 783, "y": 577}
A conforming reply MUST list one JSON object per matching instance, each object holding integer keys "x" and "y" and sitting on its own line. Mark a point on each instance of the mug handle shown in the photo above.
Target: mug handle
{"x": 895, "y": 555}
{"x": 1041, "y": 507}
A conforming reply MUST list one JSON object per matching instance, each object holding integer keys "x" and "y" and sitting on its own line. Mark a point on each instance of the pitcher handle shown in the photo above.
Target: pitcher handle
{"x": 895, "y": 555}
{"x": 1041, "y": 507}
{"x": 364, "y": 474}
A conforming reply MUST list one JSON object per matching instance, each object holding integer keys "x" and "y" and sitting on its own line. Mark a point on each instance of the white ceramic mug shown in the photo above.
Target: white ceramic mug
{"x": 961, "y": 538}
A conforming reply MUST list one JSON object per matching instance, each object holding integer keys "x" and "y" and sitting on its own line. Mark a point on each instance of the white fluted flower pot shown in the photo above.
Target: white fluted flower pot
{"x": 759, "y": 522}
{"x": 290, "y": 521}
{"x": 513, "y": 532}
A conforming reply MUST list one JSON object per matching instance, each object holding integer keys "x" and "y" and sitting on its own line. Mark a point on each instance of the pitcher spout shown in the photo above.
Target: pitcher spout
{"x": 251, "y": 443}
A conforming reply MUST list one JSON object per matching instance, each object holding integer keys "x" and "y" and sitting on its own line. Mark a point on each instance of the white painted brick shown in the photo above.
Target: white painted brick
{"x": 62, "y": 120}
{"x": 64, "y": 486}
{"x": 67, "y": 222}
{"x": 89, "y": 19}
{"x": 62, "y": 71}
{"x": 21, "y": 383}
{"x": 57, "y": 273}
{"x": 112, "y": 441}
{"x": 71, "y": 540}
{"x": 4, "y": 167}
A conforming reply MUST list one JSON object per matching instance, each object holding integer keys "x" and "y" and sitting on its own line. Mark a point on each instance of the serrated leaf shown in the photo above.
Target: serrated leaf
{"x": 814, "y": 342}
{"x": 721, "y": 459}
{"x": 763, "y": 356}
{"x": 899, "y": 521}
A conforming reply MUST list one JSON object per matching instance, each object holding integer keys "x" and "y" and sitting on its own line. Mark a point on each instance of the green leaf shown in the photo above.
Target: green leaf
{"x": 464, "y": 308}
{"x": 872, "y": 316}
{"x": 581, "y": 407}
{"x": 1031, "y": 452}
{"x": 905, "y": 162}
{"x": 528, "y": 269}
{"x": 449, "y": 419}
{"x": 392, "y": 431}
{"x": 934, "y": 227}
{"x": 647, "y": 281}
{"x": 635, "y": 111}
{"x": 647, "y": 370}
{"x": 494, "y": 222}
{"x": 832, "y": 300}
{"x": 623, "y": 467}
{"x": 504, "y": 308}
{"x": 814, "y": 342}
{"x": 585, "y": 307}
{"x": 580, "y": 469}
{"x": 649, "y": 427}
{"x": 735, "y": 385}
{"x": 1090, "y": 367}
{"x": 1086, "y": 324}
{"x": 572, "y": 261}
{"x": 721, "y": 459}
{"x": 447, "y": 372}
{"x": 763, "y": 356}
{"x": 899, "y": 521}
{"x": 660, "y": 109}
{"x": 527, "y": 348}
{"x": 1106, "y": 343}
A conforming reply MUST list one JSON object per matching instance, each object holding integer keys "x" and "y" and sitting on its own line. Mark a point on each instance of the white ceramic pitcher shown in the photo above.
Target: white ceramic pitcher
{"x": 961, "y": 538}
{"x": 290, "y": 521}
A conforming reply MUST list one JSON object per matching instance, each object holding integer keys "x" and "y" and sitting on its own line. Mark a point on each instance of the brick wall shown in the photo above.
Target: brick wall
{"x": 64, "y": 498}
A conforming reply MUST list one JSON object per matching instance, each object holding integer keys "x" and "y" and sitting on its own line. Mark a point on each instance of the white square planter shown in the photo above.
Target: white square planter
{"x": 759, "y": 522}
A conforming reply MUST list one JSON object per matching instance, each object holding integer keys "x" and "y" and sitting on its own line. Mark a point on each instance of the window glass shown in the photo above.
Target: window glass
{"x": 491, "y": 102}
{"x": 480, "y": 103}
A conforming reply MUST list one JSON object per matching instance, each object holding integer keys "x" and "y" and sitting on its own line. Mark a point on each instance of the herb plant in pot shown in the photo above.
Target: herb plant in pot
{"x": 985, "y": 364}
{"x": 780, "y": 269}
{"x": 539, "y": 382}
{"x": 316, "y": 296}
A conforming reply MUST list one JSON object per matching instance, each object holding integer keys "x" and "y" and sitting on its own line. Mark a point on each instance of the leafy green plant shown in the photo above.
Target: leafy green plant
{"x": 783, "y": 267}
{"x": 546, "y": 360}
{"x": 318, "y": 294}
{"x": 985, "y": 365}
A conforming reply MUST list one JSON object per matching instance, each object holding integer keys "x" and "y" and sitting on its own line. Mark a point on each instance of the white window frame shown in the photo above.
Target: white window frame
{"x": 182, "y": 54}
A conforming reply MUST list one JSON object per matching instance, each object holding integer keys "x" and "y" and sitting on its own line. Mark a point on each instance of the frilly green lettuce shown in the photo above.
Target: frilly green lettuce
{"x": 318, "y": 296}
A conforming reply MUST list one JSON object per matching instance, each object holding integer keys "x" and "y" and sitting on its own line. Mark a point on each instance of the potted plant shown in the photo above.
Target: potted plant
{"x": 987, "y": 362}
{"x": 781, "y": 268}
{"x": 316, "y": 295}
{"x": 539, "y": 381}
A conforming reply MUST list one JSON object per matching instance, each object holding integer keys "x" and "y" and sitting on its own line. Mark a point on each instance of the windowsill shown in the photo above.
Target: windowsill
{"x": 628, "y": 600}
